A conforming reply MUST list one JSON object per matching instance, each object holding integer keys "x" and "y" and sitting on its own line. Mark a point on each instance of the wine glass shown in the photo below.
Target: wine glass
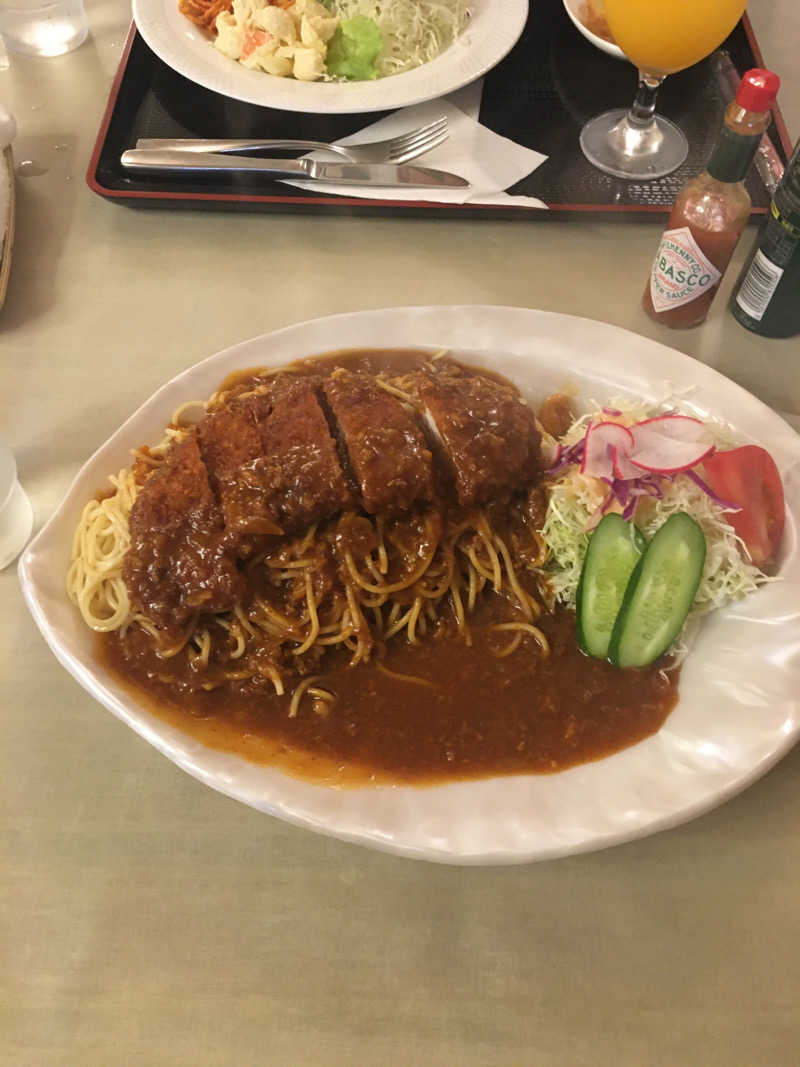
{"x": 659, "y": 37}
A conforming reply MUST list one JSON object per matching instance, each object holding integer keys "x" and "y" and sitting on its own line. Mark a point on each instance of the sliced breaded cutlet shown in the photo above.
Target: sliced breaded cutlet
{"x": 385, "y": 447}
{"x": 178, "y": 563}
{"x": 482, "y": 431}
{"x": 231, "y": 446}
{"x": 272, "y": 460}
{"x": 300, "y": 471}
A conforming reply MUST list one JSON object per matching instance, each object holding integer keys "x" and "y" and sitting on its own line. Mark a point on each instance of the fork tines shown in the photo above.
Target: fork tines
{"x": 425, "y": 138}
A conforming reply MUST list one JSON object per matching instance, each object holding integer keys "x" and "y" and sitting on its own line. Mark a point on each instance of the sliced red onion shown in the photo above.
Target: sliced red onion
{"x": 571, "y": 454}
{"x": 725, "y": 504}
{"x": 611, "y": 411}
{"x": 557, "y": 468}
{"x": 628, "y": 510}
{"x": 609, "y": 500}
{"x": 648, "y": 487}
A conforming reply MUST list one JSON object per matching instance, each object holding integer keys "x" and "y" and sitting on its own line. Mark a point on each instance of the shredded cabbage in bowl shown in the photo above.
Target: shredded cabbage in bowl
{"x": 574, "y": 498}
{"x": 414, "y": 31}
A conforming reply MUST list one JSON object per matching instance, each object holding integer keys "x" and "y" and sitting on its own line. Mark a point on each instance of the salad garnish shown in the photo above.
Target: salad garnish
{"x": 645, "y": 466}
{"x": 335, "y": 40}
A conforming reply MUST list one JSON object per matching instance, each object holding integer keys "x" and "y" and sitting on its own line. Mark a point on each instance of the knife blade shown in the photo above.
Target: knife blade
{"x": 371, "y": 174}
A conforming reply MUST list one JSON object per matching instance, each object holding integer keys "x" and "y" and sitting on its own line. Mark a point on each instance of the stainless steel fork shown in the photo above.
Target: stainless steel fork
{"x": 400, "y": 149}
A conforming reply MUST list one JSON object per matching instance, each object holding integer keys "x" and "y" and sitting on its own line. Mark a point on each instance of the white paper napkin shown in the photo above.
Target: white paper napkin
{"x": 489, "y": 162}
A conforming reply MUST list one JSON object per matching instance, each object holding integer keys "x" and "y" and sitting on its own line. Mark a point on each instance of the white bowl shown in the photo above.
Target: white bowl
{"x": 573, "y": 9}
{"x": 494, "y": 28}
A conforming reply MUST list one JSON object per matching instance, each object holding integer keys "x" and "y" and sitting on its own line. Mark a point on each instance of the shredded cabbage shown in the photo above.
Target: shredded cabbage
{"x": 574, "y": 498}
{"x": 414, "y": 31}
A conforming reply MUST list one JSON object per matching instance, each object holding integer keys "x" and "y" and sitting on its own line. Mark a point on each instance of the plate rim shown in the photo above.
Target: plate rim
{"x": 456, "y": 67}
{"x": 154, "y": 732}
{"x": 610, "y": 49}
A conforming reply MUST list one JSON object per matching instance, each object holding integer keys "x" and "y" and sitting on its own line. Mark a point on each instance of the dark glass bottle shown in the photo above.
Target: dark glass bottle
{"x": 766, "y": 298}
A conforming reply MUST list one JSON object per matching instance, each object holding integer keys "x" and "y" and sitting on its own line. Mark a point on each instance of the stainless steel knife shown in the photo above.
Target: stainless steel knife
{"x": 367, "y": 174}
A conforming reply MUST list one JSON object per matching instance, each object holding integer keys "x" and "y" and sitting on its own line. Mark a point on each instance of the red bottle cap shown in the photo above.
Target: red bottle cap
{"x": 757, "y": 90}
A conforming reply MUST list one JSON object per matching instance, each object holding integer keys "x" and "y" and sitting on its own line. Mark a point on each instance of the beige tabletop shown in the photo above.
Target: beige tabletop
{"x": 145, "y": 919}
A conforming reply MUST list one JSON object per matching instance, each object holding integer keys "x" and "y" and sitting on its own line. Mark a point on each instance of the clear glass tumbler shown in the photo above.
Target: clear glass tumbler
{"x": 43, "y": 27}
{"x": 16, "y": 514}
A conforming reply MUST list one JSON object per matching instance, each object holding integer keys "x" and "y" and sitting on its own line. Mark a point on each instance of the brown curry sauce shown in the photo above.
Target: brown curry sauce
{"x": 480, "y": 716}
{"x": 468, "y": 714}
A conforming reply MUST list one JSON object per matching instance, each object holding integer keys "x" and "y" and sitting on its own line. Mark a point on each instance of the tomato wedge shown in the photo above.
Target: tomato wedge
{"x": 748, "y": 477}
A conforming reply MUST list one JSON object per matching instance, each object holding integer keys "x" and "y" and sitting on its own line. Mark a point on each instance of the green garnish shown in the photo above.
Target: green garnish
{"x": 660, "y": 593}
{"x": 615, "y": 548}
{"x": 354, "y": 49}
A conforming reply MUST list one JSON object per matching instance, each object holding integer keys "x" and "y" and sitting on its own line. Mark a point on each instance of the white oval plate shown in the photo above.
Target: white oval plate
{"x": 493, "y": 30}
{"x": 739, "y": 707}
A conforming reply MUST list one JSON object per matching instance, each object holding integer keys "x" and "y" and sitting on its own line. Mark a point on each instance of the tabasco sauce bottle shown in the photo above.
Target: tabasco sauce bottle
{"x": 710, "y": 213}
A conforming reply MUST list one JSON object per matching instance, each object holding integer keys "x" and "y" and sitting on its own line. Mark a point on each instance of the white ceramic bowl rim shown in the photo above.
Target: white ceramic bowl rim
{"x": 493, "y": 30}
{"x": 573, "y": 9}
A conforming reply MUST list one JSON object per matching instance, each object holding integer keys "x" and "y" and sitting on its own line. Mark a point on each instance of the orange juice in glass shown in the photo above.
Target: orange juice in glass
{"x": 664, "y": 37}
{"x": 659, "y": 37}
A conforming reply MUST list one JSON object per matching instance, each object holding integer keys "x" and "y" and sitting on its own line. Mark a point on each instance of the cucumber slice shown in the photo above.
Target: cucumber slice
{"x": 614, "y": 549}
{"x": 660, "y": 593}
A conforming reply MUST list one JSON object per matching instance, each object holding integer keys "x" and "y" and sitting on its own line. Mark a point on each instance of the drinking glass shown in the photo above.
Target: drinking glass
{"x": 43, "y": 27}
{"x": 659, "y": 37}
{"x": 16, "y": 515}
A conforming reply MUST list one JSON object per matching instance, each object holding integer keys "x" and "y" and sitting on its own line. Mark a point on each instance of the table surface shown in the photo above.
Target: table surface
{"x": 145, "y": 919}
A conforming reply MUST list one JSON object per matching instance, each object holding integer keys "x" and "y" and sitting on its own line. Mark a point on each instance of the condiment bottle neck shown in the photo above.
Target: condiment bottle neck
{"x": 737, "y": 144}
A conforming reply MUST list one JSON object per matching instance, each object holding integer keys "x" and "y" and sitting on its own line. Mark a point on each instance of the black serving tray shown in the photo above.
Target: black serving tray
{"x": 540, "y": 95}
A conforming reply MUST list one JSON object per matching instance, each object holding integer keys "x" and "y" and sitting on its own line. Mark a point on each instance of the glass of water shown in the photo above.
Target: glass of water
{"x": 16, "y": 514}
{"x": 43, "y": 27}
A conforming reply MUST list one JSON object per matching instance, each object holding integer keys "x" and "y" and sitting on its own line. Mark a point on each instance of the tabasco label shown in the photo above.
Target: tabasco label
{"x": 681, "y": 272}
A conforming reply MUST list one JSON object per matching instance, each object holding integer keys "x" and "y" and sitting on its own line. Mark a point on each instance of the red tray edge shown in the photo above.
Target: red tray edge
{"x": 341, "y": 201}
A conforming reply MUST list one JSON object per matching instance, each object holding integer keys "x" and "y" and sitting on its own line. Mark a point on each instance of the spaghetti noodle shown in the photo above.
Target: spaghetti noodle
{"x": 353, "y": 582}
{"x": 203, "y": 13}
